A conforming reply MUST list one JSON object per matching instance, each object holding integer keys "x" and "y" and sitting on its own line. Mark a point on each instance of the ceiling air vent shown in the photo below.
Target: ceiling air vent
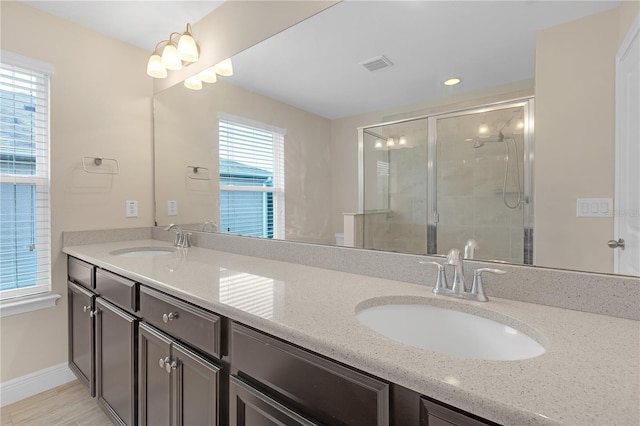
{"x": 377, "y": 63}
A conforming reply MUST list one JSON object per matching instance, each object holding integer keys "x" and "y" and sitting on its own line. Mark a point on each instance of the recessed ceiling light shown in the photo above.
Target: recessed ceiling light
{"x": 452, "y": 81}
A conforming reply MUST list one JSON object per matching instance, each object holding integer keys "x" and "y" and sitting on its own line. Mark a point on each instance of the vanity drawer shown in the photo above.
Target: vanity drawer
{"x": 305, "y": 382}
{"x": 80, "y": 272}
{"x": 183, "y": 321}
{"x": 116, "y": 289}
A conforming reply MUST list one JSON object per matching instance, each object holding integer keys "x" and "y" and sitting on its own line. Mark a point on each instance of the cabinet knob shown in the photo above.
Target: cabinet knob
{"x": 86, "y": 308}
{"x": 170, "y": 366}
{"x": 163, "y": 361}
{"x": 94, "y": 313}
{"x": 169, "y": 317}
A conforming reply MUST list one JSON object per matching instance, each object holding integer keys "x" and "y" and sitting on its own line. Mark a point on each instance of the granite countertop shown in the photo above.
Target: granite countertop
{"x": 589, "y": 374}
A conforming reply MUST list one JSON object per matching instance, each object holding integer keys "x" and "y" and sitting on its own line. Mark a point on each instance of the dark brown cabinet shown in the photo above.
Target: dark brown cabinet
{"x": 81, "y": 335}
{"x": 307, "y": 383}
{"x": 116, "y": 350}
{"x": 176, "y": 385}
{"x": 250, "y": 407}
{"x": 435, "y": 414}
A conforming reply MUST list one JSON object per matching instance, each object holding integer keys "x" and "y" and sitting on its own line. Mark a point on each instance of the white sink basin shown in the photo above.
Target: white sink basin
{"x": 449, "y": 331}
{"x": 143, "y": 251}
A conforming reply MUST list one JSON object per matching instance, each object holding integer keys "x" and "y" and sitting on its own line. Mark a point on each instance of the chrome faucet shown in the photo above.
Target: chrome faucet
{"x": 454, "y": 259}
{"x": 469, "y": 248}
{"x": 182, "y": 238}
{"x": 458, "y": 288}
{"x": 214, "y": 225}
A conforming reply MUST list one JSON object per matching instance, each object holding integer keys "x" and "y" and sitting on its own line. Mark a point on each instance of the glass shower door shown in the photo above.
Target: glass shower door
{"x": 478, "y": 182}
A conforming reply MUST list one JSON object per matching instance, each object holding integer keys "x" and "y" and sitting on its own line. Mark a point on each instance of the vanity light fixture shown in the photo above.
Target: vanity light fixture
{"x": 391, "y": 143}
{"x": 174, "y": 55}
{"x": 452, "y": 81}
{"x": 402, "y": 141}
{"x": 378, "y": 144}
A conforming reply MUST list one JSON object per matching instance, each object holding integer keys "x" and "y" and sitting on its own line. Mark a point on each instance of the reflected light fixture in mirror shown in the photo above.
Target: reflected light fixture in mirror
{"x": 193, "y": 83}
{"x": 174, "y": 55}
{"x": 224, "y": 68}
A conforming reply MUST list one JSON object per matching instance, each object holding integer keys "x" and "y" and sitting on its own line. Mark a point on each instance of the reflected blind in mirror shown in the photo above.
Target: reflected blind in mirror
{"x": 251, "y": 157}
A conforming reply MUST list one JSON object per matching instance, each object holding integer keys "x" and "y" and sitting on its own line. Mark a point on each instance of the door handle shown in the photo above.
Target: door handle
{"x": 616, "y": 244}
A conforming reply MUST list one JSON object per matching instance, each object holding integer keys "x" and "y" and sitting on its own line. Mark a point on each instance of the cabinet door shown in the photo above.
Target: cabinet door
{"x": 154, "y": 384}
{"x": 81, "y": 335}
{"x": 116, "y": 333}
{"x": 196, "y": 384}
{"x": 250, "y": 407}
{"x": 433, "y": 414}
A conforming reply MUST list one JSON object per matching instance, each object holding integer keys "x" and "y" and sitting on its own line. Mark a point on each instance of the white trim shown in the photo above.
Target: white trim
{"x": 21, "y": 305}
{"x": 16, "y": 60}
{"x": 34, "y": 383}
{"x": 250, "y": 123}
{"x": 620, "y": 92}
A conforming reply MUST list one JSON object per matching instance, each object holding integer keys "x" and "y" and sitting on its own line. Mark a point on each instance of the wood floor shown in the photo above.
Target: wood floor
{"x": 68, "y": 405}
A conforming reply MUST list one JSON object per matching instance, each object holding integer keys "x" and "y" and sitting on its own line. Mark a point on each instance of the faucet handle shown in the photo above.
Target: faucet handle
{"x": 186, "y": 239}
{"x": 441, "y": 281}
{"x": 477, "y": 288}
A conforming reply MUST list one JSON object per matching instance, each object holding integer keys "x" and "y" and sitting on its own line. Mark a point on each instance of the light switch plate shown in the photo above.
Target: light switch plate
{"x": 594, "y": 207}
{"x": 131, "y": 208}
{"x": 172, "y": 208}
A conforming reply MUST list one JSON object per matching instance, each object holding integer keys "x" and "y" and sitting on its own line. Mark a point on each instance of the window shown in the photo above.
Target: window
{"x": 251, "y": 178}
{"x": 25, "y": 253}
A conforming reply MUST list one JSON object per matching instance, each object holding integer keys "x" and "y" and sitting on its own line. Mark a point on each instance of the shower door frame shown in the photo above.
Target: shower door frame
{"x": 527, "y": 103}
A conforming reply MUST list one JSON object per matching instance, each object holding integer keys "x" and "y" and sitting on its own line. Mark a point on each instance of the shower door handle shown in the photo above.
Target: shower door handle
{"x": 616, "y": 244}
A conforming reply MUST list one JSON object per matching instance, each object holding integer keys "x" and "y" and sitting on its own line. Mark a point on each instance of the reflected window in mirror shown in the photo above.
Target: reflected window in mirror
{"x": 251, "y": 158}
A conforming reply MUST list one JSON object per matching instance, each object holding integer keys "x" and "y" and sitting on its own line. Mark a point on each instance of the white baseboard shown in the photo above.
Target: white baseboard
{"x": 32, "y": 384}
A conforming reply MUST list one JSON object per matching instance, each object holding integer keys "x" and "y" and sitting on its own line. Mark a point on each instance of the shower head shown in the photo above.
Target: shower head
{"x": 478, "y": 143}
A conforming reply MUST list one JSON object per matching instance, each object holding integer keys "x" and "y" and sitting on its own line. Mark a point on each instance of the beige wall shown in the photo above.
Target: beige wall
{"x": 574, "y": 137}
{"x": 186, "y": 133}
{"x": 100, "y": 106}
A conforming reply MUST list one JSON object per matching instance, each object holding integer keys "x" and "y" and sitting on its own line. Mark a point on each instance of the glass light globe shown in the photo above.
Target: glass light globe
{"x": 170, "y": 58}
{"x": 155, "y": 68}
{"x": 193, "y": 83}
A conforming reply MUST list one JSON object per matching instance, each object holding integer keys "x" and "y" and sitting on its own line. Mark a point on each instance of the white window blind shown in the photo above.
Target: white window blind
{"x": 251, "y": 178}
{"x": 25, "y": 254}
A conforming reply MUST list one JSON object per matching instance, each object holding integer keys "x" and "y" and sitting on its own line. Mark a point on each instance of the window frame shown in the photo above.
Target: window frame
{"x": 278, "y": 188}
{"x": 19, "y": 300}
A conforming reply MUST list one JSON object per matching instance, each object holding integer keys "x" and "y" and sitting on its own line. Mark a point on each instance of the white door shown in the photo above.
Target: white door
{"x": 627, "y": 201}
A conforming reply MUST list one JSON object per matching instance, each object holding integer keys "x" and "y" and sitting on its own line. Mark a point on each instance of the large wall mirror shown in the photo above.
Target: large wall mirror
{"x": 340, "y": 130}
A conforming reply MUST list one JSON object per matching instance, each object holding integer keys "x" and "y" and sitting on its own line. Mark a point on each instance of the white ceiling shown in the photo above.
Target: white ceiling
{"x": 315, "y": 64}
{"x": 142, "y": 23}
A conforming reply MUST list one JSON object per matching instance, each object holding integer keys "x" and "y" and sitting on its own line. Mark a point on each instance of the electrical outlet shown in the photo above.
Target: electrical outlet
{"x": 172, "y": 208}
{"x": 594, "y": 207}
{"x": 131, "y": 208}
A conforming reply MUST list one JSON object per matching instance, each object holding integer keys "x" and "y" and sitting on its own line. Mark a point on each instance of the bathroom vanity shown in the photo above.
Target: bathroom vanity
{"x": 211, "y": 337}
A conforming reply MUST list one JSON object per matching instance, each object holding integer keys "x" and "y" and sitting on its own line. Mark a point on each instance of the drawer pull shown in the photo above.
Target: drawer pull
{"x": 169, "y": 317}
{"x": 164, "y": 361}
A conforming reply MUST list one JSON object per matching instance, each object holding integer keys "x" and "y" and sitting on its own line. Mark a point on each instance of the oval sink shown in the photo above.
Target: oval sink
{"x": 143, "y": 251}
{"x": 449, "y": 331}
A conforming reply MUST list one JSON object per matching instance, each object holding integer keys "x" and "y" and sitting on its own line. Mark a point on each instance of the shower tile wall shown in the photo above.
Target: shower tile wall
{"x": 402, "y": 226}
